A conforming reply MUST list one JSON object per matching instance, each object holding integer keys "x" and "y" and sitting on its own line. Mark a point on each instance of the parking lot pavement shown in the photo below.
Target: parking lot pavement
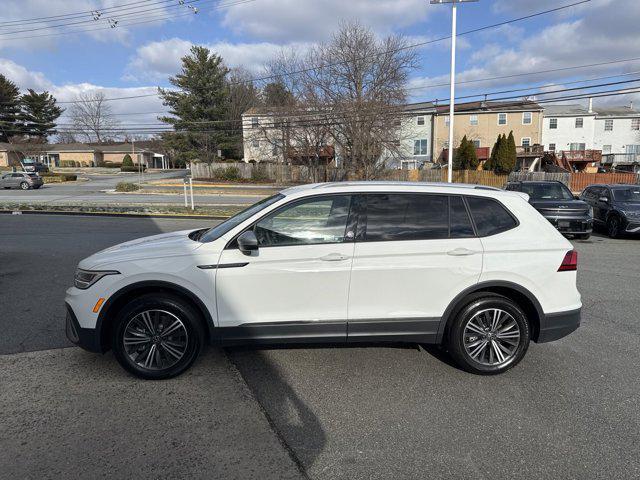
{"x": 70, "y": 414}
{"x": 569, "y": 410}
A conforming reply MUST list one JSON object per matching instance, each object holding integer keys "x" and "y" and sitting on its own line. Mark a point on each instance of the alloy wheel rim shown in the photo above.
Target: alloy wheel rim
{"x": 155, "y": 339}
{"x": 491, "y": 337}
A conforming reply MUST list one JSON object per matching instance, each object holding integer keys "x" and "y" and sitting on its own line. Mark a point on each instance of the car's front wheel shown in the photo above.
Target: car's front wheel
{"x": 489, "y": 335}
{"x": 157, "y": 336}
{"x": 613, "y": 226}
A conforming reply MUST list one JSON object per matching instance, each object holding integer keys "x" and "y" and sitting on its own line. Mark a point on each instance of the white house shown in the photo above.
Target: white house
{"x": 415, "y": 140}
{"x": 617, "y": 131}
{"x": 568, "y": 128}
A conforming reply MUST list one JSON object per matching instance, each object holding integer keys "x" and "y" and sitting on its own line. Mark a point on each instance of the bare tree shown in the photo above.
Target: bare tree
{"x": 92, "y": 117}
{"x": 242, "y": 95}
{"x": 362, "y": 80}
{"x": 65, "y": 137}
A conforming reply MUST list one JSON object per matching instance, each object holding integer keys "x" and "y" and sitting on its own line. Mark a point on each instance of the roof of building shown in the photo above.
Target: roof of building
{"x": 572, "y": 110}
{"x": 491, "y": 106}
{"x": 70, "y": 147}
{"x": 618, "y": 111}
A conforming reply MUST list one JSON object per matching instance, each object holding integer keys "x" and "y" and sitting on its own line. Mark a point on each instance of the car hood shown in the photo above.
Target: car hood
{"x": 164, "y": 245}
{"x": 559, "y": 204}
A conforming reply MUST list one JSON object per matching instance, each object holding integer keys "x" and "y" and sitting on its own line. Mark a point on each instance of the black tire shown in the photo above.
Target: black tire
{"x": 583, "y": 236}
{"x": 613, "y": 226}
{"x": 170, "y": 308}
{"x": 24, "y": 186}
{"x": 456, "y": 335}
{"x": 36, "y": 188}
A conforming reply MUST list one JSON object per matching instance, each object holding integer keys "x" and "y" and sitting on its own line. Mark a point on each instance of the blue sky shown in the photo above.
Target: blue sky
{"x": 133, "y": 59}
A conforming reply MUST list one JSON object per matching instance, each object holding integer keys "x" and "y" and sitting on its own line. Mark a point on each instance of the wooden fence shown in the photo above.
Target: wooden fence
{"x": 292, "y": 174}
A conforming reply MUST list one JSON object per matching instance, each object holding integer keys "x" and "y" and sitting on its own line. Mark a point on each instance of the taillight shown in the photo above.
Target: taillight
{"x": 570, "y": 262}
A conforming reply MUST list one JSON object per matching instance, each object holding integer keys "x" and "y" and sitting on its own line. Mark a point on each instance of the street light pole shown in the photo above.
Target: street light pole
{"x": 452, "y": 79}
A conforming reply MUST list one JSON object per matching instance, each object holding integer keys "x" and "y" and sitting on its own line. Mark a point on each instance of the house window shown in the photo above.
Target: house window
{"x": 473, "y": 120}
{"x": 633, "y": 149}
{"x": 526, "y": 142}
{"x": 553, "y": 123}
{"x": 420, "y": 147}
{"x": 552, "y": 147}
{"x": 635, "y": 124}
{"x": 608, "y": 125}
{"x": 577, "y": 146}
{"x": 502, "y": 119}
{"x": 420, "y": 120}
{"x": 446, "y": 120}
{"x": 476, "y": 143}
{"x": 606, "y": 149}
{"x": 579, "y": 122}
{"x": 526, "y": 118}
{"x": 254, "y": 122}
{"x": 255, "y": 143}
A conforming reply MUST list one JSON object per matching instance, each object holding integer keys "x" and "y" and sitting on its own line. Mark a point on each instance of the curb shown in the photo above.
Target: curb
{"x": 112, "y": 214}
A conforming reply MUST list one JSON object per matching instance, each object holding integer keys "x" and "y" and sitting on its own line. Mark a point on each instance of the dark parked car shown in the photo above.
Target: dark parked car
{"x": 33, "y": 166}
{"x": 558, "y": 205}
{"x": 21, "y": 180}
{"x": 616, "y": 207}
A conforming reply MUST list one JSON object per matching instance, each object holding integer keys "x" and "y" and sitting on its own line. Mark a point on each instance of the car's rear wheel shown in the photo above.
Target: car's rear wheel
{"x": 157, "y": 337}
{"x": 489, "y": 335}
{"x": 24, "y": 185}
{"x": 613, "y": 226}
{"x": 583, "y": 236}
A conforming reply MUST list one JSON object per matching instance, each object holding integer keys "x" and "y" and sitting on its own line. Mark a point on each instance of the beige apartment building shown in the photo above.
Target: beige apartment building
{"x": 482, "y": 122}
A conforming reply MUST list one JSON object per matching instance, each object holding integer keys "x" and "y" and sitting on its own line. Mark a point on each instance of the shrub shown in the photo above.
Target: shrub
{"x": 126, "y": 161}
{"x": 132, "y": 168}
{"x": 112, "y": 165}
{"x": 127, "y": 187}
{"x": 227, "y": 173}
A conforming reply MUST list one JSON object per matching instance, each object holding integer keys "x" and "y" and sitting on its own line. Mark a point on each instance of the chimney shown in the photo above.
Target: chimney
{"x": 631, "y": 105}
{"x": 590, "y": 105}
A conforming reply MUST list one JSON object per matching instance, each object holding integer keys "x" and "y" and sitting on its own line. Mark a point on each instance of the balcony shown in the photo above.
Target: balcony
{"x": 590, "y": 156}
{"x": 620, "y": 158}
{"x": 530, "y": 151}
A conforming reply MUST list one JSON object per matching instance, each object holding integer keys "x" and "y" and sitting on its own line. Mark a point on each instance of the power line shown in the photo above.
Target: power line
{"x": 110, "y": 18}
{"x": 127, "y": 23}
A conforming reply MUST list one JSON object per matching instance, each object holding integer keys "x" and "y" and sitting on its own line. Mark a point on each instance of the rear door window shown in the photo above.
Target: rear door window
{"x": 460, "y": 225}
{"x": 489, "y": 216}
{"x": 395, "y": 217}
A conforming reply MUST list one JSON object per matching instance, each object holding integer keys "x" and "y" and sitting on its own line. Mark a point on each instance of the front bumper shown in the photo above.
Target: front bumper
{"x": 572, "y": 225}
{"x": 554, "y": 326}
{"x": 87, "y": 338}
{"x": 633, "y": 226}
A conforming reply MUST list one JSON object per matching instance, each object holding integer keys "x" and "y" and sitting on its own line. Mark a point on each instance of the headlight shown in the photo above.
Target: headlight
{"x": 83, "y": 279}
{"x": 590, "y": 211}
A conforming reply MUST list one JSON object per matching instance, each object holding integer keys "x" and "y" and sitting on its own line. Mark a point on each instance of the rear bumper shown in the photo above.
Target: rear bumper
{"x": 554, "y": 326}
{"x": 87, "y": 338}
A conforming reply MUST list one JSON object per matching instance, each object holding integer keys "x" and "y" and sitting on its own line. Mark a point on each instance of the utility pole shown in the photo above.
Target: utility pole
{"x": 452, "y": 80}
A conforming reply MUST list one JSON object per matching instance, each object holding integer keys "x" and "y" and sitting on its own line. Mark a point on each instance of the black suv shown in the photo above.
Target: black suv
{"x": 617, "y": 207}
{"x": 558, "y": 205}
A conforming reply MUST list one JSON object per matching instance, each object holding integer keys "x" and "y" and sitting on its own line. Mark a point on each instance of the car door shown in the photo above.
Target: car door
{"x": 15, "y": 180}
{"x": 296, "y": 284}
{"x": 5, "y": 181}
{"x": 414, "y": 253}
{"x": 602, "y": 206}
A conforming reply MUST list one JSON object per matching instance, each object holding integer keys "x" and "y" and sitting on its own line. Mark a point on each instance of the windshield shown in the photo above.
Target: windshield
{"x": 219, "y": 230}
{"x": 627, "y": 195}
{"x": 28, "y": 160}
{"x": 547, "y": 191}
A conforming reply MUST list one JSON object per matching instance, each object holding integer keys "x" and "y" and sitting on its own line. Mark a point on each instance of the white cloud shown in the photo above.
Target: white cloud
{"x": 159, "y": 60}
{"x": 311, "y": 20}
{"x": 22, "y": 77}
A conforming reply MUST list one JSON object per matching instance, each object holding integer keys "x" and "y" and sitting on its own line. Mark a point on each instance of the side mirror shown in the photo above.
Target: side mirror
{"x": 247, "y": 242}
{"x": 603, "y": 199}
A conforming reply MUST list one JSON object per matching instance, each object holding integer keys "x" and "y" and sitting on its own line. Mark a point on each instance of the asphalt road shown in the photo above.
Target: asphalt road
{"x": 93, "y": 191}
{"x": 569, "y": 410}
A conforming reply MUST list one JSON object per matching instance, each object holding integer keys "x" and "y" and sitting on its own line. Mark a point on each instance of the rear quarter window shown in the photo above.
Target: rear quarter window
{"x": 490, "y": 216}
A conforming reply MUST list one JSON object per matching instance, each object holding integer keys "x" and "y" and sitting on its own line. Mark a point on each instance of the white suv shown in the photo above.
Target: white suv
{"x": 476, "y": 269}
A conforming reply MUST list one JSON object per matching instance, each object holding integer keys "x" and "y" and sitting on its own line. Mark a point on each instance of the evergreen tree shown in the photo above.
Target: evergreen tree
{"x": 39, "y": 114}
{"x": 127, "y": 161}
{"x": 199, "y": 105}
{"x": 493, "y": 159}
{"x": 465, "y": 156}
{"x": 9, "y": 109}
{"x": 276, "y": 94}
{"x": 509, "y": 155}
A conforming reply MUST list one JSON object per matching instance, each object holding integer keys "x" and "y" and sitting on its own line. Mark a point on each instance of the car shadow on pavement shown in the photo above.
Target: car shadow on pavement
{"x": 297, "y": 426}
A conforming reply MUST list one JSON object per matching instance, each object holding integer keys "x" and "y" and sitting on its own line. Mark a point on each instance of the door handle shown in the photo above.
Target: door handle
{"x": 334, "y": 257}
{"x": 460, "y": 252}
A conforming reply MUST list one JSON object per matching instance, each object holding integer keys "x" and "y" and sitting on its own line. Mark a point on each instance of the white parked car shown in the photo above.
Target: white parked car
{"x": 476, "y": 269}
